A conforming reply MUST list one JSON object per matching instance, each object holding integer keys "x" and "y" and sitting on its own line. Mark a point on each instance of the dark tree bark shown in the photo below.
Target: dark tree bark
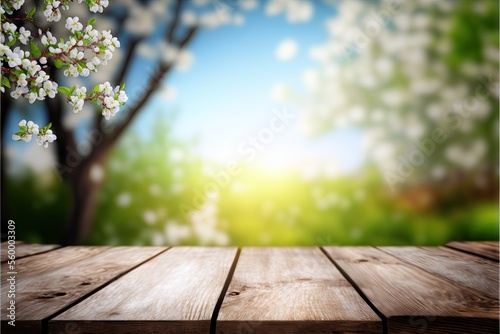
{"x": 84, "y": 189}
{"x": 5, "y": 108}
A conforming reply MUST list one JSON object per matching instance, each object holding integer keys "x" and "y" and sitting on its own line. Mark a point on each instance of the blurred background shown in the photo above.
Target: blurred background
{"x": 271, "y": 123}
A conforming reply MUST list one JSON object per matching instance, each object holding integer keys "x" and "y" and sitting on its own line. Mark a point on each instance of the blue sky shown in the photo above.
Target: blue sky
{"x": 225, "y": 95}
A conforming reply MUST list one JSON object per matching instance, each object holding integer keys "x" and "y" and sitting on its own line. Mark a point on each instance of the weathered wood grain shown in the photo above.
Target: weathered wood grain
{"x": 49, "y": 282}
{"x": 469, "y": 270}
{"x": 413, "y": 300}
{"x": 176, "y": 292}
{"x": 24, "y": 250}
{"x": 292, "y": 290}
{"x": 487, "y": 249}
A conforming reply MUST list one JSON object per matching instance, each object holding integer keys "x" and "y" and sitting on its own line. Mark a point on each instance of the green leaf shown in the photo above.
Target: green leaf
{"x": 9, "y": 44}
{"x": 65, "y": 90}
{"x": 72, "y": 90}
{"x": 96, "y": 88}
{"x": 35, "y": 51}
{"x": 5, "y": 82}
{"x": 58, "y": 63}
{"x": 91, "y": 22}
{"x": 31, "y": 13}
{"x": 23, "y": 128}
{"x": 123, "y": 86}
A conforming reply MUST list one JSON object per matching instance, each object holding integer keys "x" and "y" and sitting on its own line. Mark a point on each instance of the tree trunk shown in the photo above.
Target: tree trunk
{"x": 5, "y": 214}
{"x": 84, "y": 189}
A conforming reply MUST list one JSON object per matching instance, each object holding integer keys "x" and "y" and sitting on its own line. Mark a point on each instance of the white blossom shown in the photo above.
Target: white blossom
{"x": 77, "y": 99}
{"x": 27, "y": 77}
{"x": 32, "y": 128}
{"x": 52, "y": 14}
{"x": 24, "y": 35}
{"x": 44, "y": 140}
{"x": 28, "y": 129}
{"x": 17, "y": 3}
{"x": 73, "y": 24}
{"x": 48, "y": 39}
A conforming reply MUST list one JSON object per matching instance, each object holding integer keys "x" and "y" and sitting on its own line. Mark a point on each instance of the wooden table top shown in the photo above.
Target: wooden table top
{"x": 449, "y": 289}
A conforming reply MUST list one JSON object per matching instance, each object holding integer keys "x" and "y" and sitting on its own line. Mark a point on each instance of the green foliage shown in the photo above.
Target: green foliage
{"x": 148, "y": 179}
{"x": 65, "y": 90}
{"x": 35, "y": 51}
{"x": 5, "y": 82}
{"x": 145, "y": 177}
{"x": 58, "y": 63}
{"x": 138, "y": 204}
{"x": 38, "y": 209}
{"x": 30, "y": 14}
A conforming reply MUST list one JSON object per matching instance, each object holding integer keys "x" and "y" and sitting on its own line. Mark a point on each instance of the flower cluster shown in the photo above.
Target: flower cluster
{"x": 28, "y": 129}
{"x": 52, "y": 8}
{"x": 25, "y": 57}
{"x": 104, "y": 94}
{"x": 9, "y": 6}
{"x": 85, "y": 51}
{"x": 76, "y": 100}
{"x": 45, "y": 138}
{"x": 111, "y": 99}
{"x": 10, "y": 30}
{"x": 96, "y": 5}
{"x": 27, "y": 75}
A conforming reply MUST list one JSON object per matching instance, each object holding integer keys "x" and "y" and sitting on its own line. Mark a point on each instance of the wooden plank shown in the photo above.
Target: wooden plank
{"x": 469, "y": 270}
{"x": 487, "y": 249}
{"x": 412, "y": 299}
{"x": 24, "y": 250}
{"x": 292, "y": 290}
{"x": 49, "y": 282}
{"x": 176, "y": 292}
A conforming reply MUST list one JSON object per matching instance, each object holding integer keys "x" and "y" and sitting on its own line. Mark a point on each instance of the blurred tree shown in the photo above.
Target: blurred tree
{"x": 83, "y": 169}
{"x": 422, "y": 79}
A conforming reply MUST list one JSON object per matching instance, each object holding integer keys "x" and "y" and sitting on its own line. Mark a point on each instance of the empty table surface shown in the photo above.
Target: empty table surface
{"x": 330, "y": 289}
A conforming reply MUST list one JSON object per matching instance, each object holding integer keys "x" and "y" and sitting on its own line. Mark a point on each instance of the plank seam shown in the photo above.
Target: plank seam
{"x": 471, "y": 253}
{"x": 358, "y": 290}
{"x": 45, "y": 322}
{"x": 215, "y": 314}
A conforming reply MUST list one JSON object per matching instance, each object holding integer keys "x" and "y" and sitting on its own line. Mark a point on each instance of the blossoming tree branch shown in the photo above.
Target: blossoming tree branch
{"x": 82, "y": 149}
{"x": 27, "y": 55}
